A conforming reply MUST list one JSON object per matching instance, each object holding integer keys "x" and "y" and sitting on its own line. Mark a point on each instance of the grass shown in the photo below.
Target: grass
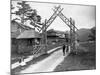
{"x": 84, "y": 60}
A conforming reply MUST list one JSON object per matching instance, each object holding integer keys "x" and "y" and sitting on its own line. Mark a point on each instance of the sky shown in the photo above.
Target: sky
{"x": 84, "y": 15}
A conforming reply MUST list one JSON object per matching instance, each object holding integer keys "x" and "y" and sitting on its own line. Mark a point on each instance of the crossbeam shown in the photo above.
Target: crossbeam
{"x": 48, "y": 22}
{"x": 52, "y": 18}
{"x": 65, "y": 19}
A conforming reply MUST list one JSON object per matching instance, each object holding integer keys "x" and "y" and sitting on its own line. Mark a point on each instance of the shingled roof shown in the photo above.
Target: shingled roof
{"x": 29, "y": 34}
{"x": 14, "y": 23}
{"x": 15, "y": 28}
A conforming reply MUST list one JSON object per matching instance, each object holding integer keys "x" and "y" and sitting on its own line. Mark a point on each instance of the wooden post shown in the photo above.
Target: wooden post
{"x": 45, "y": 37}
{"x": 71, "y": 31}
{"x": 74, "y": 35}
{"x": 73, "y": 38}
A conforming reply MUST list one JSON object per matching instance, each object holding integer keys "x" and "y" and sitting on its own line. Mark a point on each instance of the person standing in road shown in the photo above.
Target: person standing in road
{"x": 64, "y": 49}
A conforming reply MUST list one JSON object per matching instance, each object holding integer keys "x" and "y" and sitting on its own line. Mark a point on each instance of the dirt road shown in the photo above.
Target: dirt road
{"x": 46, "y": 65}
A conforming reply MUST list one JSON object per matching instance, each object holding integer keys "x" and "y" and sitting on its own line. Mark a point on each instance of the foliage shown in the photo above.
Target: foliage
{"x": 25, "y": 12}
{"x": 34, "y": 17}
{"x": 23, "y": 8}
{"x": 92, "y": 36}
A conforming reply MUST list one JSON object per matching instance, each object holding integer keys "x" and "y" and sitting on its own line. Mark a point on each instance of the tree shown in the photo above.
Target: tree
{"x": 23, "y": 8}
{"x": 34, "y": 17}
{"x": 92, "y": 36}
{"x": 25, "y": 12}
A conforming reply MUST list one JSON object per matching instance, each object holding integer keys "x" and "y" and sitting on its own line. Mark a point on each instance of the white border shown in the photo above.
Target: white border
{"x": 5, "y": 36}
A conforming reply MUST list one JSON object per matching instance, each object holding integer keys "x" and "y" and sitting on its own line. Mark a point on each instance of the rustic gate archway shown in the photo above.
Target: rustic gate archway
{"x": 68, "y": 21}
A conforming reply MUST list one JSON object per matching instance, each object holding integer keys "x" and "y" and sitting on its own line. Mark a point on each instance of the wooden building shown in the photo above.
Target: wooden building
{"x": 16, "y": 30}
{"x": 55, "y": 36}
{"x": 27, "y": 40}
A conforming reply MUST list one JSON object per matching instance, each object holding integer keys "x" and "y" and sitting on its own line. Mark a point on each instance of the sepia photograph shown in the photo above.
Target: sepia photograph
{"x": 51, "y": 37}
